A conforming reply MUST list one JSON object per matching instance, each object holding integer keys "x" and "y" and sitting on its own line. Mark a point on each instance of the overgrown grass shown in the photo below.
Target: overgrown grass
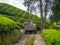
{"x": 30, "y": 40}
{"x": 52, "y": 36}
{"x": 7, "y": 39}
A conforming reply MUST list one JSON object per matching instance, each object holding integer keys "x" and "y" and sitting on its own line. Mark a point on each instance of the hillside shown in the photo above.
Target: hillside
{"x": 16, "y": 14}
{"x": 13, "y": 11}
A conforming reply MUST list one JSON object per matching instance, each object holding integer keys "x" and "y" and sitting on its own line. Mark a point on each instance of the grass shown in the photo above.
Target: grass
{"x": 7, "y": 39}
{"x": 30, "y": 40}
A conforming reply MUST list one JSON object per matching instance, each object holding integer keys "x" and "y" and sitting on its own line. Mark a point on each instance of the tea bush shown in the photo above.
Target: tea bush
{"x": 56, "y": 26}
{"x": 9, "y": 32}
{"x": 7, "y": 24}
{"x": 52, "y": 37}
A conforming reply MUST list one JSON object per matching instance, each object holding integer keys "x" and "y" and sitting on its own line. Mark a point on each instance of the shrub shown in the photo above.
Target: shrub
{"x": 8, "y": 31}
{"x": 56, "y": 26}
{"x": 52, "y": 37}
{"x": 6, "y": 24}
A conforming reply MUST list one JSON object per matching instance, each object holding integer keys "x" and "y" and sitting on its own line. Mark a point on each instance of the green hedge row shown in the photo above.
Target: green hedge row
{"x": 56, "y": 25}
{"x": 52, "y": 37}
{"x": 9, "y": 32}
{"x": 7, "y": 24}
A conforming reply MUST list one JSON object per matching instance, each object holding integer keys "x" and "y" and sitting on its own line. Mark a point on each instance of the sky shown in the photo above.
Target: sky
{"x": 16, "y": 3}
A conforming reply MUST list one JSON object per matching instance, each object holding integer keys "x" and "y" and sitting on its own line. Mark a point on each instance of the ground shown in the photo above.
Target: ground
{"x": 38, "y": 40}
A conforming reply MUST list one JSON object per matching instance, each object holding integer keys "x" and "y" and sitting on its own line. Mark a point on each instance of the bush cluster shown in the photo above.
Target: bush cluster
{"x": 52, "y": 37}
{"x": 8, "y": 31}
{"x": 7, "y": 24}
{"x": 56, "y": 25}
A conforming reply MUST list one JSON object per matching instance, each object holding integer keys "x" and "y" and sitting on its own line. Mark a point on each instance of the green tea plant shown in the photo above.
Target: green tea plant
{"x": 8, "y": 31}
{"x": 6, "y": 24}
{"x": 52, "y": 37}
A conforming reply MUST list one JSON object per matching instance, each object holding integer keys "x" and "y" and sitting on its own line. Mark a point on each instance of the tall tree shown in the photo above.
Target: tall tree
{"x": 45, "y": 12}
{"x": 40, "y": 7}
{"x": 41, "y": 13}
{"x": 56, "y": 11}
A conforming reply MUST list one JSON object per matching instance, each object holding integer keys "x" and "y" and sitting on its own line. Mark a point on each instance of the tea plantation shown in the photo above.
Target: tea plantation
{"x": 11, "y": 22}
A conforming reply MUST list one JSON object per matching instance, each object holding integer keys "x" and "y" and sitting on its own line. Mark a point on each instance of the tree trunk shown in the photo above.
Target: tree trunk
{"x": 41, "y": 12}
{"x": 45, "y": 14}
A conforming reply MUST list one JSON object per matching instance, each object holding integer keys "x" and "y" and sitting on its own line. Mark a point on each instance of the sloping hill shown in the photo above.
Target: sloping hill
{"x": 17, "y": 14}
{"x": 13, "y": 11}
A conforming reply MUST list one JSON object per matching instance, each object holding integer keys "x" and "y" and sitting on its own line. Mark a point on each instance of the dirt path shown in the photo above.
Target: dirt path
{"x": 21, "y": 41}
{"x": 39, "y": 40}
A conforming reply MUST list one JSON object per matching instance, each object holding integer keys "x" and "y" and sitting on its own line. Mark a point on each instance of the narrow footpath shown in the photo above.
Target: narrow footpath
{"x": 38, "y": 40}
{"x": 21, "y": 41}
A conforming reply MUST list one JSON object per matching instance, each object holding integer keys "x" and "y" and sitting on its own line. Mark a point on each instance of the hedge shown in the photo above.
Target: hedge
{"x": 52, "y": 37}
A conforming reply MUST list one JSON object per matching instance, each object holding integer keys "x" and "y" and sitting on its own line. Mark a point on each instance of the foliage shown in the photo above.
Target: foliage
{"x": 55, "y": 26}
{"x": 56, "y": 11}
{"x": 52, "y": 37}
{"x": 12, "y": 37}
{"x": 7, "y": 24}
{"x": 9, "y": 32}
